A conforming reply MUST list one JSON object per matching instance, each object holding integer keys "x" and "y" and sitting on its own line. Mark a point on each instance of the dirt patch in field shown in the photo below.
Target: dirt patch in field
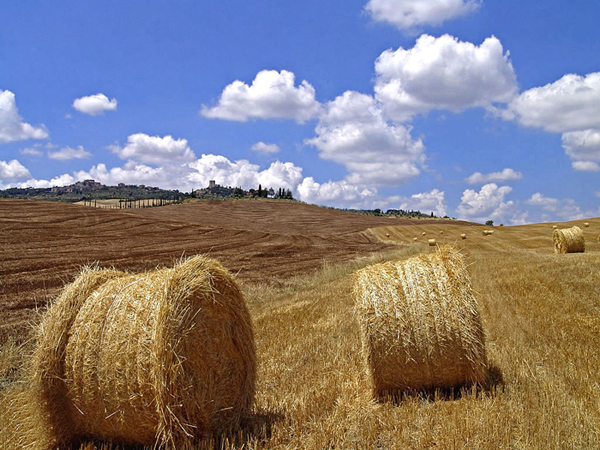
{"x": 44, "y": 244}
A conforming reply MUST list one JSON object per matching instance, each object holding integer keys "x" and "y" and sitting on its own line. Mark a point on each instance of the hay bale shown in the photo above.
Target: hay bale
{"x": 586, "y": 224}
{"x": 415, "y": 239}
{"x": 554, "y": 227}
{"x": 463, "y": 236}
{"x": 485, "y": 232}
{"x": 501, "y": 225}
{"x": 387, "y": 234}
{"x": 431, "y": 242}
{"x": 420, "y": 325}
{"x": 423, "y": 233}
{"x": 568, "y": 240}
{"x": 157, "y": 358}
{"x": 441, "y": 232}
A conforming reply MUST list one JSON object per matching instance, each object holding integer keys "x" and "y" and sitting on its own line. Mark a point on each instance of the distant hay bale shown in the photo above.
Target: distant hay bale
{"x": 463, "y": 236}
{"x": 415, "y": 239}
{"x": 387, "y": 234}
{"x": 485, "y": 232}
{"x": 441, "y": 232}
{"x": 554, "y": 227}
{"x": 431, "y": 242}
{"x": 568, "y": 240}
{"x": 423, "y": 233}
{"x": 158, "y": 358}
{"x": 501, "y": 225}
{"x": 490, "y": 232}
{"x": 586, "y": 224}
{"x": 420, "y": 325}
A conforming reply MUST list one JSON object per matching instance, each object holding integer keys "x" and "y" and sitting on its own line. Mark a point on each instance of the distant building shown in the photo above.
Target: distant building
{"x": 212, "y": 184}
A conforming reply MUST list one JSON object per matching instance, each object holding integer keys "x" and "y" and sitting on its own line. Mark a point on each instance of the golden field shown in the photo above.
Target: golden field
{"x": 541, "y": 316}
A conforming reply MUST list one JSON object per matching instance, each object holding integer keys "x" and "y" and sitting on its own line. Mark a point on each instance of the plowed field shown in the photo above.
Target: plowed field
{"x": 44, "y": 244}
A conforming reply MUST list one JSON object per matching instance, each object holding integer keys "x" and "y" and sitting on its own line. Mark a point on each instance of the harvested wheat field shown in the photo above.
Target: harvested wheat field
{"x": 540, "y": 313}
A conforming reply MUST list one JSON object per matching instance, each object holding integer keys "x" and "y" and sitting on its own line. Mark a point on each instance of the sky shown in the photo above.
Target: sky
{"x": 475, "y": 109}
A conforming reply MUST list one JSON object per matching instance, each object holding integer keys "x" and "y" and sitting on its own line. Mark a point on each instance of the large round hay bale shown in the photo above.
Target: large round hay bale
{"x": 431, "y": 242}
{"x": 423, "y": 233}
{"x": 415, "y": 239}
{"x": 420, "y": 325}
{"x": 157, "y": 358}
{"x": 586, "y": 224}
{"x": 568, "y": 240}
{"x": 463, "y": 236}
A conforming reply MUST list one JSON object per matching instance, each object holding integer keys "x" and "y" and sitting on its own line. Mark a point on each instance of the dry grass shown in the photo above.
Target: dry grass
{"x": 541, "y": 313}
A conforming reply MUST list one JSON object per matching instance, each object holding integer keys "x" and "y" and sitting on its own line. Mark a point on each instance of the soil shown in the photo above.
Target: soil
{"x": 43, "y": 245}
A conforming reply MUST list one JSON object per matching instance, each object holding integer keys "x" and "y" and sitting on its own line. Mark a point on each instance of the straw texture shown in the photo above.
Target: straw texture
{"x": 158, "y": 358}
{"x": 420, "y": 326}
{"x": 568, "y": 240}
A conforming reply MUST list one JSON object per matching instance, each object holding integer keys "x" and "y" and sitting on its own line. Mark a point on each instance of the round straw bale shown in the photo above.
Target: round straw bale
{"x": 415, "y": 239}
{"x": 441, "y": 232}
{"x": 420, "y": 325}
{"x": 423, "y": 233}
{"x": 387, "y": 234}
{"x": 568, "y": 240}
{"x": 586, "y": 224}
{"x": 431, "y": 242}
{"x": 554, "y": 227}
{"x": 157, "y": 358}
{"x": 485, "y": 232}
{"x": 463, "y": 236}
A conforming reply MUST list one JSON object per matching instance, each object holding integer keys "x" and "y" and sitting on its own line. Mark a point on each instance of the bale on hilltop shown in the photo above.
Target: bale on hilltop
{"x": 420, "y": 324}
{"x": 586, "y": 224}
{"x": 158, "y": 358}
{"x": 568, "y": 240}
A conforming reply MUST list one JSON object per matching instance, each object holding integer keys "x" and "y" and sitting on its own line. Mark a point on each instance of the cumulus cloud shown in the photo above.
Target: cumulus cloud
{"x": 410, "y": 14}
{"x": 434, "y": 201}
{"x": 154, "y": 149}
{"x": 486, "y": 204}
{"x": 12, "y": 127}
{"x": 507, "y": 174}
{"x": 553, "y": 208}
{"x": 243, "y": 174}
{"x": 340, "y": 193}
{"x": 261, "y": 147}
{"x": 354, "y": 132}
{"x": 13, "y": 170}
{"x": 272, "y": 95}
{"x": 95, "y": 105}
{"x": 66, "y": 153}
{"x": 443, "y": 73}
{"x": 585, "y": 166}
{"x": 583, "y": 147}
{"x": 571, "y": 103}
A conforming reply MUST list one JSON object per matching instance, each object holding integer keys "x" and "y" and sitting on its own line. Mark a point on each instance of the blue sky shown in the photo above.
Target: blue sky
{"x": 475, "y": 109}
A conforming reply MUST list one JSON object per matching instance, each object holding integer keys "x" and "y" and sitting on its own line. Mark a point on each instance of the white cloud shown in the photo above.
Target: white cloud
{"x": 586, "y": 166}
{"x": 94, "y": 105}
{"x": 243, "y": 174}
{"x": 261, "y": 147}
{"x": 553, "y": 208}
{"x": 426, "y": 202}
{"x": 507, "y": 174}
{"x": 338, "y": 193}
{"x": 583, "y": 147}
{"x": 486, "y": 204}
{"x": 61, "y": 180}
{"x": 410, "y": 14}
{"x": 272, "y": 95}
{"x": 66, "y": 153}
{"x": 12, "y": 127}
{"x": 154, "y": 149}
{"x": 31, "y": 151}
{"x": 571, "y": 103}
{"x": 353, "y": 132}
{"x": 443, "y": 73}
{"x": 13, "y": 170}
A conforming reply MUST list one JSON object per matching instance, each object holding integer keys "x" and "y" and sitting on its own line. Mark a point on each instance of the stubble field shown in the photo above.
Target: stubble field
{"x": 540, "y": 311}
